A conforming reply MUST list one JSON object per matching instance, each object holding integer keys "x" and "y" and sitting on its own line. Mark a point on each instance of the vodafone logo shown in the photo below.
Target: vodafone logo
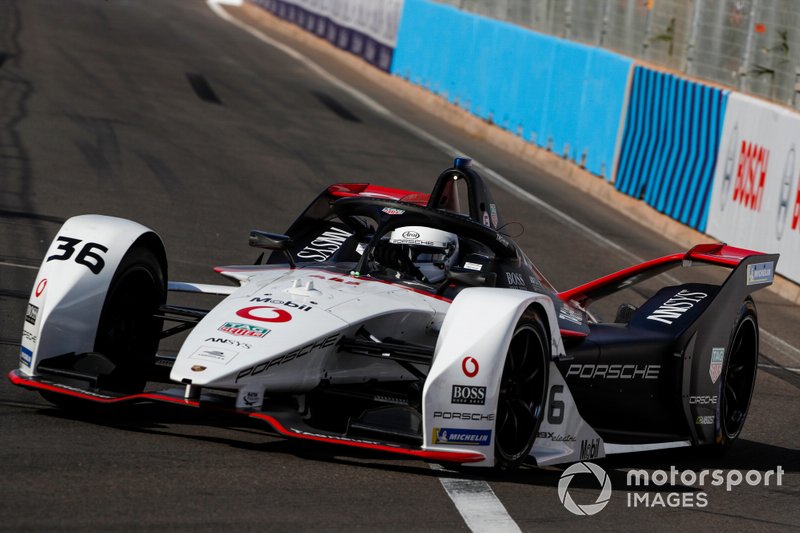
{"x": 40, "y": 287}
{"x": 265, "y": 313}
{"x": 470, "y": 366}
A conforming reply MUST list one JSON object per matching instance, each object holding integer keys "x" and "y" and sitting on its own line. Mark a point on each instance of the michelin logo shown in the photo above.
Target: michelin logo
{"x": 462, "y": 437}
{"x": 760, "y": 273}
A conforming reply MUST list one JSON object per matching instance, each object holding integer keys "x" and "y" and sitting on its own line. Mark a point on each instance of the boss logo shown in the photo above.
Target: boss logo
{"x": 516, "y": 279}
{"x": 468, "y": 394}
{"x": 31, "y": 314}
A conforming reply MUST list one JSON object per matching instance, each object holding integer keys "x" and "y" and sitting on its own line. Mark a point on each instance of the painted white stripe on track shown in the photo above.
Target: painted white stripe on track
{"x": 779, "y": 367}
{"x": 16, "y": 265}
{"x": 477, "y": 504}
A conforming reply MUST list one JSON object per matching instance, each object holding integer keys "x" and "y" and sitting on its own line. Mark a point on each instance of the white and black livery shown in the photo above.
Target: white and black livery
{"x": 402, "y": 322}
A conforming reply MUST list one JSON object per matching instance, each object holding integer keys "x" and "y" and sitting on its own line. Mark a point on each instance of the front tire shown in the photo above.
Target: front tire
{"x": 128, "y": 332}
{"x": 523, "y": 390}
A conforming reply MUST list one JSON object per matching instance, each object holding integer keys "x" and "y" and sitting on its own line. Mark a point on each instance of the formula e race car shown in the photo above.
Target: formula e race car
{"x": 402, "y": 322}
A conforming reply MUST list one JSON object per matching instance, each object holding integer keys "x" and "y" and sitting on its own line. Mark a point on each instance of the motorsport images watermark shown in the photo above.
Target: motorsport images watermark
{"x": 674, "y": 478}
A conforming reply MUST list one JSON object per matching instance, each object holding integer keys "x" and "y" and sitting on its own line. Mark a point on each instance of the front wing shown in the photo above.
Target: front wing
{"x": 282, "y": 421}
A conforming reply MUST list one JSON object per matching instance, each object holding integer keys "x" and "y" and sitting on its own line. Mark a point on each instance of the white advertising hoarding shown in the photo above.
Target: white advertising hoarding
{"x": 378, "y": 19}
{"x": 755, "y": 201}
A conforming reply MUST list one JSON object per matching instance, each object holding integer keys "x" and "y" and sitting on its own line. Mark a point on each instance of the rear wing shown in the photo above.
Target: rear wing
{"x": 716, "y": 254}
{"x": 367, "y": 190}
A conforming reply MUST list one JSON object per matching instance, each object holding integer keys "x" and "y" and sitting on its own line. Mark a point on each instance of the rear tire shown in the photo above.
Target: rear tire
{"x": 739, "y": 374}
{"x": 128, "y": 333}
{"x": 523, "y": 390}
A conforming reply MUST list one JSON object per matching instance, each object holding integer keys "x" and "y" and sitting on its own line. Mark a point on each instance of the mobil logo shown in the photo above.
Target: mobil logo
{"x": 751, "y": 175}
{"x": 264, "y": 313}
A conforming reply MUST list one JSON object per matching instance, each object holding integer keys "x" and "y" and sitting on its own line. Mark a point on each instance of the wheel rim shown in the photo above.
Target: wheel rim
{"x": 521, "y": 400}
{"x": 739, "y": 377}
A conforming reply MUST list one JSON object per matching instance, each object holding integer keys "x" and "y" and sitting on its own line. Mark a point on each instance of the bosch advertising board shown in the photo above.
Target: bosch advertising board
{"x": 755, "y": 201}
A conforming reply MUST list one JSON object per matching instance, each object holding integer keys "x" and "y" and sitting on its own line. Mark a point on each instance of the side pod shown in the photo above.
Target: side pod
{"x": 471, "y": 351}
{"x": 70, "y": 289}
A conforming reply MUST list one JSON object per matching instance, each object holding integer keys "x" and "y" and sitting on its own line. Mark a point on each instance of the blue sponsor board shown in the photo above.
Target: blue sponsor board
{"x": 462, "y": 437}
{"x": 670, "y": 143}
{"x": 25, "y": 355}
{"x": 760, "y": 273}
{"x": 563, "y": 96}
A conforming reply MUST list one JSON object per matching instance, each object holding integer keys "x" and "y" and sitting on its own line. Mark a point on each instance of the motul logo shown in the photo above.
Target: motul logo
{"x": 751, "y": 175}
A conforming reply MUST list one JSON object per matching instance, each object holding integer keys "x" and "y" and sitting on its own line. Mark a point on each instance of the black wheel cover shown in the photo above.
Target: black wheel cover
{"x": 522, "y": 393}
{"x": 740, "y": 376}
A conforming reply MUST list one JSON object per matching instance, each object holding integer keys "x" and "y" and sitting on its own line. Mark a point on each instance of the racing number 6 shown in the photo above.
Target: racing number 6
{"x": 555, "y": 406}
{"x": 86, "y": 256}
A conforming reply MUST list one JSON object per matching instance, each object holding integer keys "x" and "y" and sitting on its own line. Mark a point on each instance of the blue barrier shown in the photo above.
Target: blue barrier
{"x": 670, "y": 143}
{"x": 563, "y": 96}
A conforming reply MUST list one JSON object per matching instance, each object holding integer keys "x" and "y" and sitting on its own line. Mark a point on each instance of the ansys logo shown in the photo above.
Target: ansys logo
{"x": 586, "y": 509}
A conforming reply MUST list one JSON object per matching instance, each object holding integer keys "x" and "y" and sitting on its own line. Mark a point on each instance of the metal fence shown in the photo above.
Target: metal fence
{"x": 749, "y": 45}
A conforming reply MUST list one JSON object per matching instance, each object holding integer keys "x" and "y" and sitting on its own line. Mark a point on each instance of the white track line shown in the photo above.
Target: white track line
{"x": 774, "y": 341}
{"x": 17, "y": 265}
{"x": 779, "y": 367}
{"x": 477, "y": 504}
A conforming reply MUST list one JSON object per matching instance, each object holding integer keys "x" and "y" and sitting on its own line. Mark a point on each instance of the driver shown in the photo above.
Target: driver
{"x": 419, "y": 251}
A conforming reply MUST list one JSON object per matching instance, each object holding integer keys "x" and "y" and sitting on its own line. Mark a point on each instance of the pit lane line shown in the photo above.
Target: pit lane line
{"x": 773, "y": 340}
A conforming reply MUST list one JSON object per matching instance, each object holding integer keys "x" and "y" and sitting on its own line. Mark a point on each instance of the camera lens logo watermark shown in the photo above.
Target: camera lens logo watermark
{"x": 587, "y": 509}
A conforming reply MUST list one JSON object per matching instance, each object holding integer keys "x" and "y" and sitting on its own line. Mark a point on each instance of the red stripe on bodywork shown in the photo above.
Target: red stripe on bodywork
{"x": 715, "y": 254}
{"x": 452, "y": 457}
{"x": 17, "y": 378}
{"x": 570, "y": 333}
{"x": 347, "y": 190}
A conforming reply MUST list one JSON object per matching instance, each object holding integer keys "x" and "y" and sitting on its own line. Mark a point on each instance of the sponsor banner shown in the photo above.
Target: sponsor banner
{"x": 670, "y": 143}
{"x": 563, "y": 96}
{"x": 366, "y": 28}
{"x": 755, "y": 201}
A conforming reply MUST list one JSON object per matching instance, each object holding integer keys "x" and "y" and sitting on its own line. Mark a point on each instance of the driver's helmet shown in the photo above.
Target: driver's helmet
{"x": 431, "y": 250}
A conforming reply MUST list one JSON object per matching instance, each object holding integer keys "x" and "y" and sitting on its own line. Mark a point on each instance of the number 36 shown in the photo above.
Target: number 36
{"x": 87, "y": 256}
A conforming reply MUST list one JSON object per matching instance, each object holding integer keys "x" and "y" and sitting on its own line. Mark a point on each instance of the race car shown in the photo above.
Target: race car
{"x": 402, "y": 322}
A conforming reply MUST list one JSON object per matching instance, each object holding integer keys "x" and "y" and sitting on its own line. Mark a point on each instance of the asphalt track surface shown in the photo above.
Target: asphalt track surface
{"x": 162, "y": 112}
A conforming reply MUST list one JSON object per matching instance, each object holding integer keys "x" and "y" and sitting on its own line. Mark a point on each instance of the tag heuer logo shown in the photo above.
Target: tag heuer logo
{"x": 31, "y": 314}
{"x": 243, "y": 330}
{"x": 715, "y": 369}
{"x": 468, "y": 394}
